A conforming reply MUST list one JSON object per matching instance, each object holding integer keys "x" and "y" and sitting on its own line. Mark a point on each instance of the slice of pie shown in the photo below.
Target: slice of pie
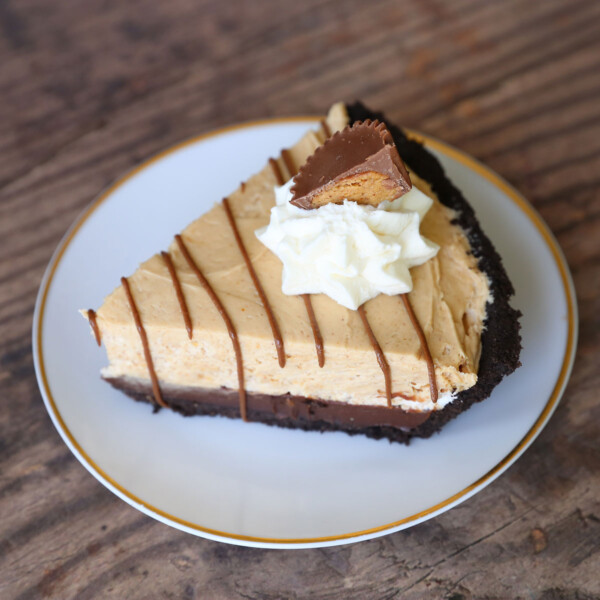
{"x": 206, "y": 329}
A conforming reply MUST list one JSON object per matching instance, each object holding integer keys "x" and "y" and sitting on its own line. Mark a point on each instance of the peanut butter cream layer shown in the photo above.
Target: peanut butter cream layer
{"x": 449, "y": 300}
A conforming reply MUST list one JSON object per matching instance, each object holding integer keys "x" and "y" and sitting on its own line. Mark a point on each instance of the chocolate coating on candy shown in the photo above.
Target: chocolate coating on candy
{"x": 360, "y": 163}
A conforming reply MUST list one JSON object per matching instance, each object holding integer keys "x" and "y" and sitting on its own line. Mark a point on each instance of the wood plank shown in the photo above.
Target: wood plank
{"x": 91, "y": 89}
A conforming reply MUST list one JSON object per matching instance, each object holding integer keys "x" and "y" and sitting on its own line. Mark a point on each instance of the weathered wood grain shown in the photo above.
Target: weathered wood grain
{"x": 91, "y": 88}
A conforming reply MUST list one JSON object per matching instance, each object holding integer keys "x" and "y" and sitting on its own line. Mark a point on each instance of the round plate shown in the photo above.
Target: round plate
{"x": 263, "y": 486}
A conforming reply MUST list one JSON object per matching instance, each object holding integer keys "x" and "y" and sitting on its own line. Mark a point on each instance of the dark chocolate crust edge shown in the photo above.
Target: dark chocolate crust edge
{"x": 500, "y": 340}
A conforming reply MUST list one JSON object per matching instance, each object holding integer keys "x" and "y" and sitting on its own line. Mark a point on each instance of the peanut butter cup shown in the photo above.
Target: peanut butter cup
{"x": 359, "y": 163}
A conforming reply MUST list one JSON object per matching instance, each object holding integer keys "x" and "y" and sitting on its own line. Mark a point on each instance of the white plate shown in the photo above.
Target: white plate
{"x": 263, "y": 486}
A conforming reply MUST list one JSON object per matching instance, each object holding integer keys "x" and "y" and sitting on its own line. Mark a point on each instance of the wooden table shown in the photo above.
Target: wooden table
{"x": 90, "y": 89}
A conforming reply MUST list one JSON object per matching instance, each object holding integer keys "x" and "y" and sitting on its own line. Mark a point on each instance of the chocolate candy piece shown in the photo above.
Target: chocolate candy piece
{"x": 360, "y": 163}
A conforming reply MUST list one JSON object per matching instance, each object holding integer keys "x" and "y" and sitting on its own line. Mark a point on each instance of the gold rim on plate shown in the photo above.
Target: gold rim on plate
{"x": 430, "y": 142}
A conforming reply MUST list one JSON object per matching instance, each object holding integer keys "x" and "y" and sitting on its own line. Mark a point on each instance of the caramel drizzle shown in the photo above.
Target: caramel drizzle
{"x": 243, "y": 186}
{"x": 315, "y": 329}
{"x": 276, "y": 171}
{"x": 258, "y": 286}
{"x": 225, "y": 316}
{"x": 185, "y": 313}
{"x": 91, "y": 314}
{"x": 433, "y": 389}
{"x": 325, "y": 128}
{"x": 383, "y": 363}
{"x": 144, "y": 338}
{"x": 291, "y": 167}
